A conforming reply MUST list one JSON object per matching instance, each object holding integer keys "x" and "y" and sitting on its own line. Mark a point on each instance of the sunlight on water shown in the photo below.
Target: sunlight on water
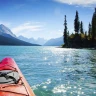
{"x": 54, "y": 71}
{"x": 45, "y": 58}
{"x": 44, "y": 87}
{"x": 44, "y": 84}
{"x": 59, "y": 89}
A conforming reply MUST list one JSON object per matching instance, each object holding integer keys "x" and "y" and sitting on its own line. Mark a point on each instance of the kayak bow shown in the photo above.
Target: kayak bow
{"x": 12, "y": 81}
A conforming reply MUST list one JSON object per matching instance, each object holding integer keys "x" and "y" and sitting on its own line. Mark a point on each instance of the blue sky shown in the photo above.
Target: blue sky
{"x": 44, "y": 18}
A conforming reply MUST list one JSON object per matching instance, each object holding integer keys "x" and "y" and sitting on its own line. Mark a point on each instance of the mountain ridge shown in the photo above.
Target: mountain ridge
{"x": 6, "y": 31}
{"x": 8, "y": 38}
{"x": 54, "y": 42}
{"x": 40, "y": 41}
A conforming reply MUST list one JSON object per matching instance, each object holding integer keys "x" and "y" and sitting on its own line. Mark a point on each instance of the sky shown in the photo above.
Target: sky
{"x": 44, "y": 18}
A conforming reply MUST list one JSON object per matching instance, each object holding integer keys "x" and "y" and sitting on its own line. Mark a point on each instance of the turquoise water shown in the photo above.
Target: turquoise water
{"x": 52, "y": 71}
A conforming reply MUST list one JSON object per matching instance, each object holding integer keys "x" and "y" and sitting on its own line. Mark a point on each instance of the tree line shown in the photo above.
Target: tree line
{"x": 81, "y": 38}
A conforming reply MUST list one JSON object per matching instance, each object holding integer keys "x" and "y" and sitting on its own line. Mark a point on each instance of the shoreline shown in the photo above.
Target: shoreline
{"x": 76, "y": 48}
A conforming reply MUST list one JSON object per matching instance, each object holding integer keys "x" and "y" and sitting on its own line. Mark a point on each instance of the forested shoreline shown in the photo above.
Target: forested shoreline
{"x": 80, "y": 38}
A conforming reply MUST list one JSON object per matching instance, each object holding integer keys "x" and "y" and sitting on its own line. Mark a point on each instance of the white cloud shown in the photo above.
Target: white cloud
{"x": 78, "y": 2}
{"x": 27, "y": 27}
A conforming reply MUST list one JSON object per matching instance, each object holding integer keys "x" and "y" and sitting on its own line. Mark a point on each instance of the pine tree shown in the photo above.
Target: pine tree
{"x": 65, "y": 32}
{"x": 85, "y": 33}
{"x": 89, "y": 30}
{"x": 68, "y": 34}
{"x": 76, "y": 23}
{"x": 81, "y": 27}
{"x": 94, "y": 27}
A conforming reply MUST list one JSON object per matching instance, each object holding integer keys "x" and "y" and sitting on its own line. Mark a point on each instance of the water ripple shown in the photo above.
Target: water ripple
{"x": 54, "y": 71}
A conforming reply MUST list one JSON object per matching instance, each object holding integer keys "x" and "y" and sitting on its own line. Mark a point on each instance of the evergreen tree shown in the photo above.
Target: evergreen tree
{"x": 68, "y": 34}
{"x": 89, "y": 30}
{"x": 85, "y": 33}
{"x": 81, "y": 27}
{"x": 94, "y": 27}
{"x": 76, "y": 23}
{"x": 65, "y": 32}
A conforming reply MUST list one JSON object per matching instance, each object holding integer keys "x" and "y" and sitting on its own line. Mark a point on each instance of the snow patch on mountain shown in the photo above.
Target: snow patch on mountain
{"x": 6, "y": 31}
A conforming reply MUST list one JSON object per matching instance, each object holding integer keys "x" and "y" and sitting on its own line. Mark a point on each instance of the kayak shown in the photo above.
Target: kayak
{"x": 12, "y": 81}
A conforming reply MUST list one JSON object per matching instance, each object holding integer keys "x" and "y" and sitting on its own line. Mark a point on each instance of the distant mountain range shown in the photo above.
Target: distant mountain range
{"x": 40, "y": 41}
{"x": 54, "y": 42}
{"x": 8, "y": 38}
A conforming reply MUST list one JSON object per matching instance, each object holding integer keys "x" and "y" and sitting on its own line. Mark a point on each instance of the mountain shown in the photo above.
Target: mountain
{"x": 8, "y": 38}
{"x": 14, "y": 41}
{"x": 40, "y": 41}
{"x": 54, "y": 42}
{"x": 23, "y": 38}
{"x": 4, "y": 31}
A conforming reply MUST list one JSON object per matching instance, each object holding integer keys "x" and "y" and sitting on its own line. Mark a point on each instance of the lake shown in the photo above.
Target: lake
{"x": 52, "y": 71}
